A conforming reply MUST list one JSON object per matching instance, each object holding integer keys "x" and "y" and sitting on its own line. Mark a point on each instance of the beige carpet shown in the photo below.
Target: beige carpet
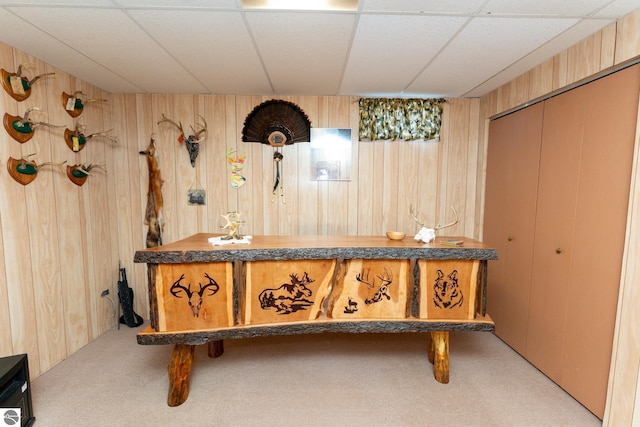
{"x": 316, "y": 380}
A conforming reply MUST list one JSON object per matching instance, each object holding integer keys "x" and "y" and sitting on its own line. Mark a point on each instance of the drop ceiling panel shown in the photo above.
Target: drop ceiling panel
{"x": 485, "y": 46}
{"x": 41, "y": 45}
{"x": 110, "y": 38}
{"x": 303, "y": 52}
{"x": 568, "y": 38}
{"x": 390, "y": 50}
{"x": 222, "y": 64}
{"x": 458, "y": 7}
{"x": 549, "y": 8}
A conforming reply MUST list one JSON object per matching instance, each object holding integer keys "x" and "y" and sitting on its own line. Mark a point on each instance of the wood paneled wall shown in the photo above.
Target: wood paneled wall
{"x": 61, "y": 244}
{"x": 610, "y": 47}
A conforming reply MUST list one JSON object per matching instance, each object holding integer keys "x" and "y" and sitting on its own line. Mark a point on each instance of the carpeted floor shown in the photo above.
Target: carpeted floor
{"x": 315, "y": 380}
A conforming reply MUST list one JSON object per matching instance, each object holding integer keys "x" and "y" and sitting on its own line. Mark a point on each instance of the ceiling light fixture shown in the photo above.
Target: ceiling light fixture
{"x": 343, "y": 5}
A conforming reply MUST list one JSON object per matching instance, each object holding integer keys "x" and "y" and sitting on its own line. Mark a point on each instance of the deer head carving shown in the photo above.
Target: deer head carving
{"x": 21, "y": 128}
{"x": 17, "y": 86}
{"x": 194, "y": 297}
{"x": 192, "y": 142}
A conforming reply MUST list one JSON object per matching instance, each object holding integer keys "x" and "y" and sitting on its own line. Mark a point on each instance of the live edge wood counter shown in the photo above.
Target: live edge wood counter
{"x": 282, "y": 285}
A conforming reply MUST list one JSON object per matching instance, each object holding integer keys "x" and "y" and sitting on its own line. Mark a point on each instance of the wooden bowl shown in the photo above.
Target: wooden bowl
{"x": 395, "y": 235}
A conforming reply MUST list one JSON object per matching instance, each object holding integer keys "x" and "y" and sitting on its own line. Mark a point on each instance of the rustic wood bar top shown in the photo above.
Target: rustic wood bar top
{"x": 197, "y": 248}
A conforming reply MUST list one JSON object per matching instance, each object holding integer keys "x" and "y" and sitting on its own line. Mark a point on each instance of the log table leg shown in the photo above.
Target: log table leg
{"x": 215, "y": 348}
{"x": 180, "y": 373}
{"x": 439, "y": 351}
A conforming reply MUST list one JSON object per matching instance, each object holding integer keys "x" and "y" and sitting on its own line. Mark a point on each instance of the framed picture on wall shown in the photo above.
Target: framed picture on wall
{"x": 330, "y": 154}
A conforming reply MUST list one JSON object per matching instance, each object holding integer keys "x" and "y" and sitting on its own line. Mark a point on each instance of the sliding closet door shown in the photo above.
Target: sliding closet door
{"x": 601, "y": 212}
{"x": 510, "y": 206}
{"x": 556, "y": 212}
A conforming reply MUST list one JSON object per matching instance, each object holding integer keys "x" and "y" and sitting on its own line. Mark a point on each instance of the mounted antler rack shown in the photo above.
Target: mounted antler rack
{"x": 79, "y": 173}
{"x": 192, "y": 142}
{"x": 426, "y": 234}
{"x": 25, "y": 171}
{"x": 17, "y": 86}
{"x": 21, "y": 128}
{"x": 76, "y": 140}
{"x": 74, "y": 104}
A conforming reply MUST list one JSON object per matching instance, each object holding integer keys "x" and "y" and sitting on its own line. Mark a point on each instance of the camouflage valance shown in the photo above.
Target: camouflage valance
{"x": 398, "y": 118}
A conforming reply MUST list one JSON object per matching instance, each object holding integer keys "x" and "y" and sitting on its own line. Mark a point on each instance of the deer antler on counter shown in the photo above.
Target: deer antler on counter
{"x": 427, "y": 235}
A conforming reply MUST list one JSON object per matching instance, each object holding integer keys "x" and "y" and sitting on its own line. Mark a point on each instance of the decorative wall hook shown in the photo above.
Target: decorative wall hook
{"x": 74, "y": 104}
{"x": 192, "y": 142}
{"x": 79, "y": 173}
{"x": 16, "y": 85}
{"x": 21, "y": 128}
{"x": 24, "y": 170}
{"x": 76, "y": 140}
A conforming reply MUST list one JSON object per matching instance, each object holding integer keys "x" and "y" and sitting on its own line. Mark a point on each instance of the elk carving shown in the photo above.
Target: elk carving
{"x": 153, "y": 214}
{"x": 21, "y": 128}
{"x": 380, "y": 289}
{"x": 289, "y": 297}
{"x": 192, "y": 142}
{"x": 427, "y": 235}
{"x": 194, "y": 297}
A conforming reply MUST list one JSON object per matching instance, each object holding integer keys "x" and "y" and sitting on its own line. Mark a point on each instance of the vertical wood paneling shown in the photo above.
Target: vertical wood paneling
{"x": 627, "y": 43}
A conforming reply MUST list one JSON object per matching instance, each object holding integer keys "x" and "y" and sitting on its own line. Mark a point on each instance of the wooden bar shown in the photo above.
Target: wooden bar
{"x": 287, "y": 285}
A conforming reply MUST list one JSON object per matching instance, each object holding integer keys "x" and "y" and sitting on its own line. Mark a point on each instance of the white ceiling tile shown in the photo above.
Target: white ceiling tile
{"x": 543, "y": 7}
{"x": 464, "y": 7}
{"x": 129, "y": 51}
{"x": 303, "y": 52}
{"x": 179, "y": 4}
{"x": 484, "y": 46}
{"x": 390, "y": 50}
{"x": 222, "y": 64}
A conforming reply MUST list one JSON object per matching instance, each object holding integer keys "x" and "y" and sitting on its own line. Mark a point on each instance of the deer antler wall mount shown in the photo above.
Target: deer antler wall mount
{"x": 21, "y": 128}
{"x": 79, "y": 173}
{"x": 427, "y": 235}
{"x": 74, "y": 104}
{"x": 25, "y": 171}
{"x": 192, "y": 142}
{"x": 76, "y": 140}
{"x": 17, "y": 86}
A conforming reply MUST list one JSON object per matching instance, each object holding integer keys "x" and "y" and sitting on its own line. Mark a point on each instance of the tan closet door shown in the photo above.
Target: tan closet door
{"x": 556, "y": 213}
{"x": 603, "y": 194}
{"x": 510, "y": 206}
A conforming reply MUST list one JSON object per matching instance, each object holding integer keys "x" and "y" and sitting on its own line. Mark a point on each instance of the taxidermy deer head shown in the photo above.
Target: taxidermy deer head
{"x": 192, "y": 141}
{"x": 16, "y": 85}
{"x": 427, "y": 235}
{"x": 74, "y": 104}
{"x": 76, "y": 140}
{"x": 21, "y": 128}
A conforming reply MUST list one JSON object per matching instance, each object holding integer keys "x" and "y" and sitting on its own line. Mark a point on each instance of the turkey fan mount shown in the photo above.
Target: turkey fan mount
{"x": 277, "y": 123}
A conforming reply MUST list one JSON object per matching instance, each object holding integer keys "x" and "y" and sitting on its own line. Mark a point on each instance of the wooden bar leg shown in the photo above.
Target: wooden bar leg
{"x": 215, "y": 348}
{"x": 440, "y": 343}
{"x": 432, "y": 349}
{"x": 180, "y": 374}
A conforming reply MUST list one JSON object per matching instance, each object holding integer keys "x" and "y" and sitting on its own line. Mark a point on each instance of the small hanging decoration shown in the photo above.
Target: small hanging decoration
{"x": 277, "y": 123}
{"x": 25, "y": 171}
{"x": 236, "y": 179}
{"x": 21, "y": 128}
{"x": 74, "y": 104}
{"x": 79, "y": 173}
{"x": 277, "y": 179}
{"x": 17, "y": 86}
{"x": 76, "y": 140}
